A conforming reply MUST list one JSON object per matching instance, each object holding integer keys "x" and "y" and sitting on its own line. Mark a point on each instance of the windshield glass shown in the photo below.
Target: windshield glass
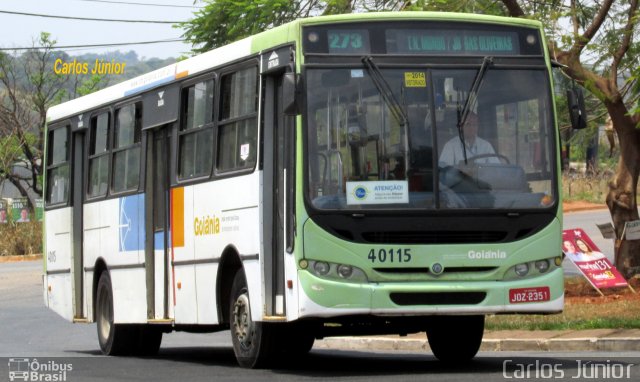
{"x": 362, "y": 156}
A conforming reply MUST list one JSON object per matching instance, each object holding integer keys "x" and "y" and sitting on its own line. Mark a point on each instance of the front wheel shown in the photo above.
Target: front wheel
{"x": 455, "y": 338}
{"x": 253, "y": 342}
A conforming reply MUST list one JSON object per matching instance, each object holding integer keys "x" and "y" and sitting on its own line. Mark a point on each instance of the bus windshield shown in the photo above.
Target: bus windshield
{"x": 362, "y": 156}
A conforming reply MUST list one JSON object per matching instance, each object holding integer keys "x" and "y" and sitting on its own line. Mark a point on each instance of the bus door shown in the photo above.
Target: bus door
{"x": 77, "y": 199}
{"x": 278, "y": 153}
{"x": 160, "y": 110}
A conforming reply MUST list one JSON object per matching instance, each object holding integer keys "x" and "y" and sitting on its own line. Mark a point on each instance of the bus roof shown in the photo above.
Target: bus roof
{"x": 245, "y": 47}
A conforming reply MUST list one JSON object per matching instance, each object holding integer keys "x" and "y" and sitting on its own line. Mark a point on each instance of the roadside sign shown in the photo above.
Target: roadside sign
{"x": 39, "y": 209}
{"x": 592, "y": 263}
{"x": 607, "y": 230}
{"x": 20, "y": 210}
{"x": 3, "y": 212}
{"x": 632, "y": 230}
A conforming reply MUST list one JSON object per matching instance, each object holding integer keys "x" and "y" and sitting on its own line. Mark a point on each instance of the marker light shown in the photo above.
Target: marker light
{"x": 303, "y": 264}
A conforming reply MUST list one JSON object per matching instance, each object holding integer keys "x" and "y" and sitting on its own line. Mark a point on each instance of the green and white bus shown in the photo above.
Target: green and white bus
{"x": 297, "y": 184}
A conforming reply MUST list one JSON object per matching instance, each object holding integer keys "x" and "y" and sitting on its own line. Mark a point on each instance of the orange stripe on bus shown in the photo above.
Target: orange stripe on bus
{"x": 182, "y": 74}
{"x": 177, "y": 212}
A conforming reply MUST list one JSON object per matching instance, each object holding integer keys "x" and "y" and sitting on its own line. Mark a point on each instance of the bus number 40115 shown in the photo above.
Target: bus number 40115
{"x": 399, "y": 255}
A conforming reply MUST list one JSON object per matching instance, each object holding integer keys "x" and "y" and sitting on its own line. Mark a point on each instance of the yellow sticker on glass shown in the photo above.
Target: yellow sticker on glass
{"x": 415, "y": 79}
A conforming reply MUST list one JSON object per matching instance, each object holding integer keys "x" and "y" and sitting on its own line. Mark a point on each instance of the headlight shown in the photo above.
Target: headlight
{"x": 345, "y": 271}
{"x": 542, "y": 266}
{"x": 338, "y": 272}
{"x": 522, "y": 269}
{"x": 321, "y": 268}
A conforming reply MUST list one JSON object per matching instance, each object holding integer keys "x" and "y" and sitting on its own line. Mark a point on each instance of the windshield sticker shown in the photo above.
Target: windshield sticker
{"x": 378, "y": 192}
{"x": 244, "y": 151}
{"x": 357, "y": 73}
{"x": 415, "y": 79}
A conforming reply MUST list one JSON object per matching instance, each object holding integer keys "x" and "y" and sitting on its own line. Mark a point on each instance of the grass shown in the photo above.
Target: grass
{"x": 589, "y": 188}
{"x": 584, "y": 309}
{"x": 20, "y": 238}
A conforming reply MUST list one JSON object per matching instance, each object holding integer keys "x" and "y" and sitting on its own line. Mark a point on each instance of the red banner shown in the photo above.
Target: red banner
{"x": 593, "y": 264}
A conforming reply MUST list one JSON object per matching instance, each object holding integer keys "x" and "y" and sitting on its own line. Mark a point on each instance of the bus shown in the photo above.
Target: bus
{"x": 382, "y": 173}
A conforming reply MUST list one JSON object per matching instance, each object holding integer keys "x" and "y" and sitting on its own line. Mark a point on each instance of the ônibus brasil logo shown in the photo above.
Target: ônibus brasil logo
{"x": 25, "y": 369}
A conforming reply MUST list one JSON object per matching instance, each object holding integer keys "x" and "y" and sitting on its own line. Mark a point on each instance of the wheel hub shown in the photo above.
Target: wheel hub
{"x": 242, "y": 323}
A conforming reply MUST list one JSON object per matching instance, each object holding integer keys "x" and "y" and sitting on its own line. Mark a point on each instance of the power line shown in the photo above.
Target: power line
{"x": 144, "y": 4}
{"x": 56, "y": 47}
{"x": 90, "y": 19}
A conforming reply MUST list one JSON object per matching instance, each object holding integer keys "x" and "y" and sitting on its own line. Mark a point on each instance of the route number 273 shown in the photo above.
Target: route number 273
{"x": 391, "y": 255}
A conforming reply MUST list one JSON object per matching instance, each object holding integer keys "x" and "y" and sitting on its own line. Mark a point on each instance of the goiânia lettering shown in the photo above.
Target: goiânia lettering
{"x": 206, "y": 225}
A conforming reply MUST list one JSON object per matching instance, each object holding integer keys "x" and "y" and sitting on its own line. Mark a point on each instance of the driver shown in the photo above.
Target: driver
{"x": 452, "y": 153}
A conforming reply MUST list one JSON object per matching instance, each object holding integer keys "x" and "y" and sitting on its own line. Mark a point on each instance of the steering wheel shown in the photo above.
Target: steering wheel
{"x": 450, "y": 199}
{"x": 490, "y": 155}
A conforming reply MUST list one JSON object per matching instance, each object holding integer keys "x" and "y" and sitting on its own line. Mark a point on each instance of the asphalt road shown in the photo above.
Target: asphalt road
{"x": 30, "y": 331}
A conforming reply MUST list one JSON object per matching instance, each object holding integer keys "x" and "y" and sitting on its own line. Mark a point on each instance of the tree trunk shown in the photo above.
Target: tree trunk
{"x": 621, "y": 198}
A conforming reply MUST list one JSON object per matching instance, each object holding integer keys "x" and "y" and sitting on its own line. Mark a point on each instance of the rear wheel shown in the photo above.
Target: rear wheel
{"x": 455, "y": 338}
{"x": 114, "y": 339}
{"x": 253, "y": 342}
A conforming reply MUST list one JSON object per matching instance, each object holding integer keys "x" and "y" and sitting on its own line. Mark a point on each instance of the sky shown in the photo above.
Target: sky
{"x": 21, "y": 31}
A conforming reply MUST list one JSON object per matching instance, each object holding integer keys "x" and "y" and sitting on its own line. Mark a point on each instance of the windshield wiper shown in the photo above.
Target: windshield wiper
{"x": 471, "y": 100}
{"x": 389, "y": 98}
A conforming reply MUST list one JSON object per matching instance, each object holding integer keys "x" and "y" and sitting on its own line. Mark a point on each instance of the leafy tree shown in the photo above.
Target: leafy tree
{"x": 220, "y": 22}
{"x": 28, "y": 86}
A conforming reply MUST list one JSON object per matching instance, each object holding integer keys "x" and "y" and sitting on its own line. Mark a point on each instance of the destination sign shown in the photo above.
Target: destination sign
{"x": 422, "y": 38}
{"x": 451, "y": 42}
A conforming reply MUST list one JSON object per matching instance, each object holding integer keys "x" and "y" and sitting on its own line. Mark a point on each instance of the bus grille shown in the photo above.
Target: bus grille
{"x": 423, "y": 270}
{"x": 439, "y": 298}
{"x": 437, "y": 237}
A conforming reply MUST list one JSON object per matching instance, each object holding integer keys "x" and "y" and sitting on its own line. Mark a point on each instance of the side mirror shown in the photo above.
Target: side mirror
{"x": 290, "y": 97}
{"x": 577, "y": 111}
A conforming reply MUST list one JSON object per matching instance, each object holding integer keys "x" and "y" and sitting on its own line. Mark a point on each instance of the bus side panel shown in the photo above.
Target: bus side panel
{"x": 129, "y": 297}
{"x": 184, "y": 283}
{"x": 58, "y": 281}
{"x": 224, "y": 214}
{"x": 105, "y": 227}
{"x": 291, "y": 295}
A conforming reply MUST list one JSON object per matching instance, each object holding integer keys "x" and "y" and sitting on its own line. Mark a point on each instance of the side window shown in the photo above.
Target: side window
{"x": 126, "y": 150}
{"x": 99, "y": 155}
{"x": 58, "y": 166}
{"x": 196, "y": 131}
{"x": 237, "y": 129}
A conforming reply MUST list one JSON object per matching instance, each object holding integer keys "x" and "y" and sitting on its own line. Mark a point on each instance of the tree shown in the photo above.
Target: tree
{"x": 28, "y": 87}
{"x": 221, "y": 22}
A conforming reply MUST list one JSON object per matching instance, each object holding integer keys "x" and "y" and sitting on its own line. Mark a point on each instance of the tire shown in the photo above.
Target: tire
{"x": 114, "y": 339}
{"x": 455, "y": 339}
{"x": 149, "y": 338}
{"x": 297, "y": 339}
{"x": 253, "y": 342}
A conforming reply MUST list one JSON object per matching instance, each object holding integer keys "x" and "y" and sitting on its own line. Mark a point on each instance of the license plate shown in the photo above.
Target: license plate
{"x": 538, "y": 294}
